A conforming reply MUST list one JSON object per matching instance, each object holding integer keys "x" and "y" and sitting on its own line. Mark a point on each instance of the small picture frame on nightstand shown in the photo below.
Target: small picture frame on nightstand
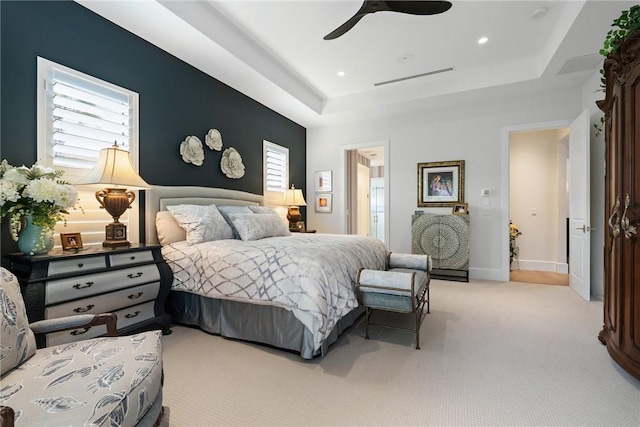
{"x": 71, "y": 241}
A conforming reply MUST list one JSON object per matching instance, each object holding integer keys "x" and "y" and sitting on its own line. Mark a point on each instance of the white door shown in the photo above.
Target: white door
{"x": 579, "y": 214}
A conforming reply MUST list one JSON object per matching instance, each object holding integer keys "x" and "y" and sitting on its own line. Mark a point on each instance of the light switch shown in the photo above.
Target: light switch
{"x": 486, "y": 191}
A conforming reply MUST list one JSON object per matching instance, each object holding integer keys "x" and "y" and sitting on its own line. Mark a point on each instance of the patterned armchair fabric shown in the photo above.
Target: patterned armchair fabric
{"x": 108, "y": 381}
{"x": 17, "y": 342}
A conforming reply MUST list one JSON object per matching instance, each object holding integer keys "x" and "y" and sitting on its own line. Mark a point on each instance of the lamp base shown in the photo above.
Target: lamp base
{"x": 116, "y": 235}
{"x": 293, "y": 215}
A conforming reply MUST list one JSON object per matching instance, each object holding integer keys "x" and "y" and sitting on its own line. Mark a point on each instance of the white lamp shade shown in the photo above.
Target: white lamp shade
{"x": 114, "y": 167}
{"x": 294, "y": 197}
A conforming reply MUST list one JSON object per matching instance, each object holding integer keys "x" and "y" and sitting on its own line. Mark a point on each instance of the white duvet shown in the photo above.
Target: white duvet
{"x": 311, "y": 275}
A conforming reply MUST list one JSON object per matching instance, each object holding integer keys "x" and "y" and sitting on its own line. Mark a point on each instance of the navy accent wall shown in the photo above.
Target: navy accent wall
{"x": 176, "y": 99}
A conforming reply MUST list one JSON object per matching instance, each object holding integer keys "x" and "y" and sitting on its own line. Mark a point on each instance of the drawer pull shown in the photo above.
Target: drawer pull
{"x": 133, "y": 258}
{"x": 80, "y": 265}
{"x": 131, "y": 315}
{"x": 83, "y": 310}
{"x": 133, "y": 276}
{"x": 80, "y": 332}
{"x": 135, "y": 296}
{"x": 83, "y": 286}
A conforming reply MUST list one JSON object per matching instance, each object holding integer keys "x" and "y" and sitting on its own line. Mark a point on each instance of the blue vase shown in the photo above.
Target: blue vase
{"x": 33, "y": 240}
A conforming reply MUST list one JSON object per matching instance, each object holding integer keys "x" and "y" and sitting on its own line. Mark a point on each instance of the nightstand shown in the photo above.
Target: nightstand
{"x": 132, "y": 282}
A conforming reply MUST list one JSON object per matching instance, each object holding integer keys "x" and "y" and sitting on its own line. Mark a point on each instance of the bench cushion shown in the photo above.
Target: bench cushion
{"x": 110, "y": 381}
{"x": 391, "y": 289}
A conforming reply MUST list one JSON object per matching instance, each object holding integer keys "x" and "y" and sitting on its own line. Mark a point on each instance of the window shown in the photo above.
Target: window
{"x": 78, "y": 115}
{"x": 276, "y": 172}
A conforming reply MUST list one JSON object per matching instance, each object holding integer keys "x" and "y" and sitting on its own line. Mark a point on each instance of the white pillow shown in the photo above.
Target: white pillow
{"x": 255, "y": 227}
{"x": 262, "y": 210}
{"x": 202, "y": 223}
{"x": 168, "y": 230}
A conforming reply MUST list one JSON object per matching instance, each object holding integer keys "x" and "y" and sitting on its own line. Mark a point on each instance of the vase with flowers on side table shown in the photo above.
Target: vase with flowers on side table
{"x": 34, "y": 199}
{"x": 34, "y": 239}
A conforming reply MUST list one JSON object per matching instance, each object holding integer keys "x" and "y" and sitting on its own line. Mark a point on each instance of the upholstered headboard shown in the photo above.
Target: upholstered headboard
{"x": 159, "y": 197}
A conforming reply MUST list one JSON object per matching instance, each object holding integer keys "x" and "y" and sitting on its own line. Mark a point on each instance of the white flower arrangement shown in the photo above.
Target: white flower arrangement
{"x": 37, "y": 191}
{"x": 213, "y": 139}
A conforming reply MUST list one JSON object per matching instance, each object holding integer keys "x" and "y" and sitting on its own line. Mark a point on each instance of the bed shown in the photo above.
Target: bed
{"x": 294, "y": 291}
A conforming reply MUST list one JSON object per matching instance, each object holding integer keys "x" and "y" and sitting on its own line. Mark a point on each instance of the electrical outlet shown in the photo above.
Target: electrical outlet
{"x": 534, "y": 212}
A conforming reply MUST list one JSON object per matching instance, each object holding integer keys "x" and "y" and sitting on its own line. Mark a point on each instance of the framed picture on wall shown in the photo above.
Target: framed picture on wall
{"x": 323, "y": 203}
{"x": 440, "y": 183}
{"x": 322, "y": 181}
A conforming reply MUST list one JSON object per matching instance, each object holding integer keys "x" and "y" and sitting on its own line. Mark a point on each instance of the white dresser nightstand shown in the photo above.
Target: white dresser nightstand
{"x": 132, "y": 282}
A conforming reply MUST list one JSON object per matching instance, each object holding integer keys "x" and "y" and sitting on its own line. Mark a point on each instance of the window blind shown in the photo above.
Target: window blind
{"x": 276, "y": 172}
{"x": 78, "y": 115}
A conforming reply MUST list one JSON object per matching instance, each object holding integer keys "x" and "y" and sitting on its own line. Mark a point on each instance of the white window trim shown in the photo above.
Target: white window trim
{"x": 45, "y": 69}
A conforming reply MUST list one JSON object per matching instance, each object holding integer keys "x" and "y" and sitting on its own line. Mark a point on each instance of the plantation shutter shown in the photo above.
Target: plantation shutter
{"x": 80, "y": 115}
{"x": 276, "y": 172}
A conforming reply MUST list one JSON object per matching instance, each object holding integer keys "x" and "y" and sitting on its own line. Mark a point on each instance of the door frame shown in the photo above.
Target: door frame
{"x": 343, "y": 170}
{"x": 506, "y": 180}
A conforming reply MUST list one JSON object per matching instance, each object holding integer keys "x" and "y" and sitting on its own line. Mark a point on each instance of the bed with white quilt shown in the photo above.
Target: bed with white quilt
{"x": 239, "y": 272}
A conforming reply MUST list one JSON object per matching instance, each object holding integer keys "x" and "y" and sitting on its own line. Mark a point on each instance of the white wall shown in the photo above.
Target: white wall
{"x": 538, "y": 199}
{"x": 469, "y": 131}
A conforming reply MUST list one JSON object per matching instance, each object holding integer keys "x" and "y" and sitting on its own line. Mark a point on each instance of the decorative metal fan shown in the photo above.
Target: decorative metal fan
{"x": 373, "y": 6}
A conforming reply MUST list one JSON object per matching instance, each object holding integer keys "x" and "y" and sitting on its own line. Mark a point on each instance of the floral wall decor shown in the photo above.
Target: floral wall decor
{"x": 191, "y": 150}
{"x": 231, "y": 164}
{"x": 213, "y": 139}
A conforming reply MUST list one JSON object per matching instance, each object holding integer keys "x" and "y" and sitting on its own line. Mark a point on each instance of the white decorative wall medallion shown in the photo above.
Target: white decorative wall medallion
{"x": 191, "y": 150}
{"x": 231, "y": 163}
{"x": 213, "y": 139}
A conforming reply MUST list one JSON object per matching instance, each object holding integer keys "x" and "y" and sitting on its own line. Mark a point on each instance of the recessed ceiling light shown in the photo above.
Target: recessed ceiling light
{"x": 483, "y": 40}
{"x": 539, "y": 13}
{"x": 342, "y": 73}
{"x": 407, "y": 57}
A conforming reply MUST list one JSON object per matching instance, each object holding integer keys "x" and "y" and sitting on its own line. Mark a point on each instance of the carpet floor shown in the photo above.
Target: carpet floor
{"x": 493, "y": 354}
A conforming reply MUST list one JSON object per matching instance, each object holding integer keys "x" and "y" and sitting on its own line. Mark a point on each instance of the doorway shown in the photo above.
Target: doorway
{"x": 578, "y": 173}
{"x": 539, "y": 202}
{"x": 367, "y": 189}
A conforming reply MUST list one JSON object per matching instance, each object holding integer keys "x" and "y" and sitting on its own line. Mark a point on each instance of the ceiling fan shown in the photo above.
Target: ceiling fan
{"x": 373, "y": 6}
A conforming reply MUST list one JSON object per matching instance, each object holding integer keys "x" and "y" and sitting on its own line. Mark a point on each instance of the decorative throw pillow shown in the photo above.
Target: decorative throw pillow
{"x": 226, "y": 210}
{"x": 168, "y": 230}
{"x": 255, "y": 227}
{"x": 202, "y": 223}
{"x": 263, "y": 210}
{"x": 18, "y": 341}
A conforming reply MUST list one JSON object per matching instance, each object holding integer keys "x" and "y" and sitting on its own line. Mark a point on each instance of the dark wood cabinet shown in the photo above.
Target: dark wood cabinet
{"x": 621, "y": 106}
{"x": 132, "y": 282}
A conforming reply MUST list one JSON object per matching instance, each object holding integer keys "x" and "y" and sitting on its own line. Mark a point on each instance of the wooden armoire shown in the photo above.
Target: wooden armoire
{"x": 621, "y": 107}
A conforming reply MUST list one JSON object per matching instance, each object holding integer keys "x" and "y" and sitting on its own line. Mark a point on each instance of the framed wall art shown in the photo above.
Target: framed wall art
{"x": 322, "y": 181}
{"x": 441, "y": 183}
{"x": 323, "y": 203}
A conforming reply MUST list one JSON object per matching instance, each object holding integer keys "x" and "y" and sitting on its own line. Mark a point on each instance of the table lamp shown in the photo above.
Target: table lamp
{"x": 293, "y": 198}
{"x": 115, "y": 171}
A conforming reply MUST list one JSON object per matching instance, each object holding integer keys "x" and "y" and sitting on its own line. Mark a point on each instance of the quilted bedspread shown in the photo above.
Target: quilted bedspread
{"x": 311, "y": 275}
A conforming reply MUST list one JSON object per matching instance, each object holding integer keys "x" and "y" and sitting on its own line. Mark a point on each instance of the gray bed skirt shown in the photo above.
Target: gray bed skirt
{"x": 263, "y": 324}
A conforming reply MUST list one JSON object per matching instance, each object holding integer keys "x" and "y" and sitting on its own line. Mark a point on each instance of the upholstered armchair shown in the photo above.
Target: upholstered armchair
{"x": 110, "y": 381}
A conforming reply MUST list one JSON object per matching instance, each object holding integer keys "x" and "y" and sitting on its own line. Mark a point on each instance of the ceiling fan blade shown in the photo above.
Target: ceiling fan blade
{"x": 418, "y": 7}
{"x": 344, "y": 27}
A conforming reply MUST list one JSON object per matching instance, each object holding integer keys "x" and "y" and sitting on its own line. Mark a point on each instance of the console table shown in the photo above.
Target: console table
{"x": 446, "y": 239}
{"x": 132, "y": 282}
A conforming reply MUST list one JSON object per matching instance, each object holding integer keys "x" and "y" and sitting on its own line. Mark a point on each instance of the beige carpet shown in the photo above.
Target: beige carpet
{"x": 493, "y": 354}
